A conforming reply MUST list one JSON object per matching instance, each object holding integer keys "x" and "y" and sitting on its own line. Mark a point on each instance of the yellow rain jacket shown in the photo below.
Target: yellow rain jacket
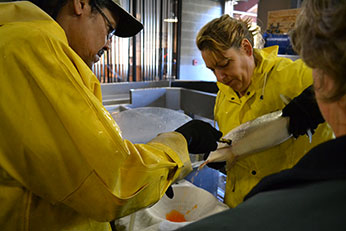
{"x": 272, "y": 76}
{"x": 63, "y": 162}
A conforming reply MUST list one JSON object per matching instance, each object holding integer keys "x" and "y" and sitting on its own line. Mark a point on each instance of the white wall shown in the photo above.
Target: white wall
{"x": 195, "y": 14}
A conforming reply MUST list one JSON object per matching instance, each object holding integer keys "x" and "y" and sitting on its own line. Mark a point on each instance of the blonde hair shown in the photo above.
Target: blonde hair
{"x": 223, "y": 33}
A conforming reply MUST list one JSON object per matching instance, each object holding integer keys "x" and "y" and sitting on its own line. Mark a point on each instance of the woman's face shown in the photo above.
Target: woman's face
{"x": 235, "y": 69}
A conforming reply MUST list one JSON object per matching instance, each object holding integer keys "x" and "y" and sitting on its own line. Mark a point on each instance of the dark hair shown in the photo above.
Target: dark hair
{"x": 52, "y": 7}
{"x": 319, "y": 37}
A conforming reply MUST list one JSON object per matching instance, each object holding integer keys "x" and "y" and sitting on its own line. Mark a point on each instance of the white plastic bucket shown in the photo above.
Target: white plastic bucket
{"x": 190, "y": 201}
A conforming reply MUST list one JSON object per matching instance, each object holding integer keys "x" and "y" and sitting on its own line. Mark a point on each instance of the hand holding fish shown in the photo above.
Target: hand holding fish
{"x": 253, "y": 136}
{"x": 201, "y": 137}
{"x": 304, "y": 113}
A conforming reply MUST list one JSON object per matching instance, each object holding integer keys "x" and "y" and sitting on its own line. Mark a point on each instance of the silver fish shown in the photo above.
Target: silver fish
{"x": 253, "y": 136}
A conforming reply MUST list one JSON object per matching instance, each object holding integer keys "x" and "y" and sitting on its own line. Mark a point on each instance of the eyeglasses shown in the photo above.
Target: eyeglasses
{"x": 111, "y": 29}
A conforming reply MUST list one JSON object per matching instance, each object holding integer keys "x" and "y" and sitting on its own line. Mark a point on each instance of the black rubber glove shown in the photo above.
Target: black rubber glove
{"x": 304, "y": 113}
{"x": 201, "y": 137}
{"x": 169, "y": 192}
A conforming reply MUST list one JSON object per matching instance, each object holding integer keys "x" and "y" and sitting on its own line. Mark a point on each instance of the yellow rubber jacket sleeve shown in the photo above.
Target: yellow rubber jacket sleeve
{"x": 58, "y": 141}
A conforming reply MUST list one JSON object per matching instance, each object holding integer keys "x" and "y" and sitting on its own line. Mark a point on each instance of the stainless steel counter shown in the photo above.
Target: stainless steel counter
{"x": 119, "y": 93}
{"x": 195, "y": 103}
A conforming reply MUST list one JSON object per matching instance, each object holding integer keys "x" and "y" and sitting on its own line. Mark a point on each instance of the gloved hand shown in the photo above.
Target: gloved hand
{"x": 169, "y": 192}
{"x": 304, "y": 113}
{"x": 214, "y": 165}
{"x": 201, "y": 137}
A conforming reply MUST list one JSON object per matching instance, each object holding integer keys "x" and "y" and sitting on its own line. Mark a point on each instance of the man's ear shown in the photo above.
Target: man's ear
{"x": 247, "y": 47}
{"x": 79, "y": 6}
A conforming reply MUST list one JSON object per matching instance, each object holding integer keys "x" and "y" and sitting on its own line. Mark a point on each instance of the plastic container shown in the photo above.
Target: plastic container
{"x": 190, "y": 201}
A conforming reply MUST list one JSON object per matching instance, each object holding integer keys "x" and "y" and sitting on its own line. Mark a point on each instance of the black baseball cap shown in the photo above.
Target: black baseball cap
{"x": 128, "y": 25}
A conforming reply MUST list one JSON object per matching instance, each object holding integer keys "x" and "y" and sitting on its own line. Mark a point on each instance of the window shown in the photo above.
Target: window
{"x": 151, "y": 55}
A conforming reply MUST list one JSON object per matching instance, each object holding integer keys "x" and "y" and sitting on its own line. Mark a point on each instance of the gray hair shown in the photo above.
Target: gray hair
{"x": 319, "y": 37}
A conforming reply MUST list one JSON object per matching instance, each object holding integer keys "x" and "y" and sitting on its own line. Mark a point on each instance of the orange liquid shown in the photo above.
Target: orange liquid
{"x": 202, "y": 165}
{"x": 175, "y": 216}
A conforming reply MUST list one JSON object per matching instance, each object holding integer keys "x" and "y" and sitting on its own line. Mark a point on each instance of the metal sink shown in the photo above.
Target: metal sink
{"x": 196, "y": 104}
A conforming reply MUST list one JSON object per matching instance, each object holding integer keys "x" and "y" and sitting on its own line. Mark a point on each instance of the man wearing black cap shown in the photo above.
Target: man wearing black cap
{"x": 63, "y": 162}
{"x": 83, "y": 22}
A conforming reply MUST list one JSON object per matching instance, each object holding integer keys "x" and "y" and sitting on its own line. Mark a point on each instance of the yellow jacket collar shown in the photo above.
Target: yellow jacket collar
{"x": 265, "y": 58}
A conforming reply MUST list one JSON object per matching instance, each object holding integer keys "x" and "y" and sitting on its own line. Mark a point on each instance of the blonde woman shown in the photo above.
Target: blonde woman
{"x": 252, "y": 83}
